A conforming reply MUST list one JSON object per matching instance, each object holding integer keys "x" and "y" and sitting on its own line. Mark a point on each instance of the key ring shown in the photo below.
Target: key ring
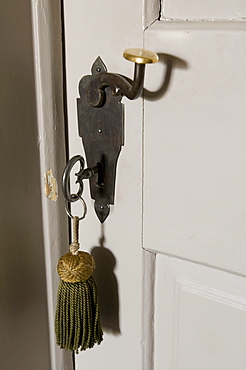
{"x": 84, "y": 205}
{"x": 65, "y": 179}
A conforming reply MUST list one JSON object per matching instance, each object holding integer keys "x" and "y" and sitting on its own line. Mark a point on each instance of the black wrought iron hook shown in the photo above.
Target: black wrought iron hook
{"x": 119, "y": 84}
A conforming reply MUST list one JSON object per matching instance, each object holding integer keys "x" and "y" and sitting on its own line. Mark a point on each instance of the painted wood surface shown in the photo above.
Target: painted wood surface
{"x": 200, "y": 317}
{"x": 92, "y": 30}
{"x": 48, "y": 64}
{"x": 209, "y": 10}
{"x": 191, "y": 152}
{"x": 194, "y": 193}
{"x": 195, "y": 144}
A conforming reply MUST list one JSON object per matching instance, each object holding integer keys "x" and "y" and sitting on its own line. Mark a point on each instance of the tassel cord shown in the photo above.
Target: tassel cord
{"x": 74, "y": 246}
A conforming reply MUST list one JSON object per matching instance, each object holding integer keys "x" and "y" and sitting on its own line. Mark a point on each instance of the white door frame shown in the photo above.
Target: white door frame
{"x": 48, "y": 60}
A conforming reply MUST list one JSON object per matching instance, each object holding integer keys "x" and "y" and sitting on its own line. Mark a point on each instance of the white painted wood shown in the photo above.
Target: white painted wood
{"x": 194, "y": 190}
{"x": 151, "y": 12}
{"x": 194, "y": 205}
{"x": 203, "y": 9}
{"x": 46, "y": 17}
{"x": 148, "y": 309}
{"x": 200, "y": 317}
{"x": 195, "y": 138}
{"x": 93, "y": 29}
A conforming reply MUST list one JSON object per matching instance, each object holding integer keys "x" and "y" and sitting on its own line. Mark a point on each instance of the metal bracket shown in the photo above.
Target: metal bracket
{"x": 101, "y": 127}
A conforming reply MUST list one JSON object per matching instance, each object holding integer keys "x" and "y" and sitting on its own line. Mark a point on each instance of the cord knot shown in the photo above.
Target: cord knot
{"x": 73, "y": 248}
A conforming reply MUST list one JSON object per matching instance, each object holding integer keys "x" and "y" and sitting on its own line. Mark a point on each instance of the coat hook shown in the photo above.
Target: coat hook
{"x": 120, "y": 84}
{"x": 101, "y": 127}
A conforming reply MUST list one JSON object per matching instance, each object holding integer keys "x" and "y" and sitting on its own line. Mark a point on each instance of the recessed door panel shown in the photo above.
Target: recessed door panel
{"x": 204, "y": 9}
{"x": 200, "y": 317}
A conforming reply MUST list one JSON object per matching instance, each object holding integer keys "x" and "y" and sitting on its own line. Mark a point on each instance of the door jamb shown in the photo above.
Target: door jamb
{"x": 48, "y": 64}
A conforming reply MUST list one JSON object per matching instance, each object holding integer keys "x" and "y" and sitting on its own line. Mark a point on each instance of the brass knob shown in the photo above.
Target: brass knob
{"x": 140, "y": 56}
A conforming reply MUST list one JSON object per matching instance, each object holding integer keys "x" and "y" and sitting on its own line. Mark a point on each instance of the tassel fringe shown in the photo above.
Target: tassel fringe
{"x": 77, "y": 324}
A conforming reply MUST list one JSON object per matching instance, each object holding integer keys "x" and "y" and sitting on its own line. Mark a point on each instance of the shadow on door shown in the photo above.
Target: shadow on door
{"x": 107, "y": 287}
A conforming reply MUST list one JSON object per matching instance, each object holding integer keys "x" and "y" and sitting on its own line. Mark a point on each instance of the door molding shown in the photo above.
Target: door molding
{"x": 48, "y": 63}
{"x": 151, "y": 12}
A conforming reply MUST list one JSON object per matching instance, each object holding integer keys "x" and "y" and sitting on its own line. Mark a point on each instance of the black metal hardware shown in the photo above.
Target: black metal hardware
{"x": 65, "y": 179}
{"x": 101, "y": 127}
{"x": 117, "y": 83}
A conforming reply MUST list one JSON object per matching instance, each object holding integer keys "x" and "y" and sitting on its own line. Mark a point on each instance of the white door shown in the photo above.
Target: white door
{"x": 171, "y": 266}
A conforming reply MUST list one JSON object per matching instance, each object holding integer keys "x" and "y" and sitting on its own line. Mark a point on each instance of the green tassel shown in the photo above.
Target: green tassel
{"x": 77, "y": 324}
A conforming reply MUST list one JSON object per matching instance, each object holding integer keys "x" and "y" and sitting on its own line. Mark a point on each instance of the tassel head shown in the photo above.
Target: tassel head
{"x": 74, "y": 268}
{"x": 77, "y": 323}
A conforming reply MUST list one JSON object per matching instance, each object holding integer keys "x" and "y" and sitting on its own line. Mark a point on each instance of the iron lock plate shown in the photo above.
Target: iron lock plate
{"x": 102, "y": 132}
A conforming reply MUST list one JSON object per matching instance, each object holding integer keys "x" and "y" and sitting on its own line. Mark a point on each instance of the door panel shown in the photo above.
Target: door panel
{"x": 195, "y": 144}
{"x": 204, "y": 9}
{"x": 200, "y": 317}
